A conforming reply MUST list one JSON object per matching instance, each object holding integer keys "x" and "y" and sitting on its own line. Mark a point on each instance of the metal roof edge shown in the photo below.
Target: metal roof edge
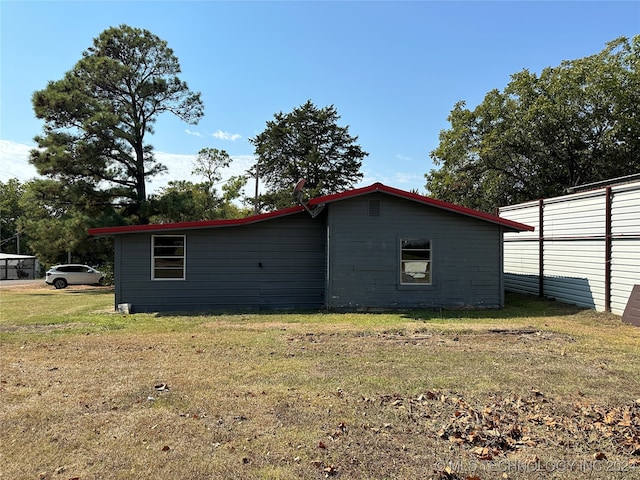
{"x": 317, "y": 201}
{"x": 160, "y": 227}
{"x": 15, "y": 256}
{"x": 379, "y": 187}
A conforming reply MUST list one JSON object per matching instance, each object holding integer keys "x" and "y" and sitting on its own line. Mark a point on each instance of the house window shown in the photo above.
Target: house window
{"x": 168, "y": 257}
{"x": 415, "y": 262}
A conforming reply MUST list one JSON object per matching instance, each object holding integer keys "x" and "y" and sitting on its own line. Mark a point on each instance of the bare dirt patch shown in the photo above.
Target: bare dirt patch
{"x": 37, "y": 328}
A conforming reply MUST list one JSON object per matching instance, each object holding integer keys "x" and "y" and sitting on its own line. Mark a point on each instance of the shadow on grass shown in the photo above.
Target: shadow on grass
{"x": 516, "y": 306}
{"x": 72, "y": 291}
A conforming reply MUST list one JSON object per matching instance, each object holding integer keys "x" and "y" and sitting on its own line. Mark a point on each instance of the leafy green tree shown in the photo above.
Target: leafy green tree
{"x": 183, "y": 201}
{"x": 57, "y": 227}
{"x": 10, "y": 213}
{"x": 306, "y": 143}
{"x": 209, "y": 163}
{"x": 573, "y": 124}
{"x": 97, "y": 116}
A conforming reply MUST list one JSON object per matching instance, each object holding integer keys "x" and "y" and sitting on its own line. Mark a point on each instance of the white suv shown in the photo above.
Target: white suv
{"x": 62, "y": 275}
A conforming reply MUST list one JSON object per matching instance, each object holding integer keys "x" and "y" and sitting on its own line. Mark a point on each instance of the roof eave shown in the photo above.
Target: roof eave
{"x": 509, "y": 225}
{"x": 379, "y": 187}
{"x": 167, "y": 227}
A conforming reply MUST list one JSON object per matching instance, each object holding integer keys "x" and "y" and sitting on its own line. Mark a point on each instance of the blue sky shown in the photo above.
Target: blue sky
{"x": 393, "y": 70}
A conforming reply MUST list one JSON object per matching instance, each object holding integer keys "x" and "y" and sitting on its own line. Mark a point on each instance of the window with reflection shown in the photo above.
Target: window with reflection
{"x": 415, "y": 263}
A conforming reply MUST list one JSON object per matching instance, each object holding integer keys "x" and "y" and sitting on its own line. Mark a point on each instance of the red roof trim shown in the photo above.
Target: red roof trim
{"x": 376, "y": 187}
{"x": 379, "y": 187}
{"x": 192, "y": 225}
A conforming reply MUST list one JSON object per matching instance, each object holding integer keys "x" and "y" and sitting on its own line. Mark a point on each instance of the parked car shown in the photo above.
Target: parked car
{"x": 62, "y": 275}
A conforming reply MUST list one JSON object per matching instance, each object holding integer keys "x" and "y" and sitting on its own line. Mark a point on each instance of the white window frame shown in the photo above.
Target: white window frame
{"x": 154, "y": 257}
{"x": 405, "y": 261}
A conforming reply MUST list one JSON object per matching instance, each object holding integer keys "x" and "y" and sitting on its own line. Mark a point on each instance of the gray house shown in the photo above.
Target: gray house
{"x": 371, "y": 248}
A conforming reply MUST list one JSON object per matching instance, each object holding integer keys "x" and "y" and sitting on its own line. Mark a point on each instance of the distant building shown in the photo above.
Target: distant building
{"x": 18, "y": 267}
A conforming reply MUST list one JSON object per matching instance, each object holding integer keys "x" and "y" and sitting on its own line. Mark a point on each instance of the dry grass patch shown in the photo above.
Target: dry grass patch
{"x": 538, "y": 390}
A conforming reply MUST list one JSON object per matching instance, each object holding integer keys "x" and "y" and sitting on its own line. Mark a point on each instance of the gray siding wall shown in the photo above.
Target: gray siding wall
{"x": 223, "y": 269}
{"x": 364, "y": 256}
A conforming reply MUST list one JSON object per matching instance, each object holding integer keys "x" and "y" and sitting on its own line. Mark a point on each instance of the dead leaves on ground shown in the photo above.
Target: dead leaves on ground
{"x": 506, "y": 425}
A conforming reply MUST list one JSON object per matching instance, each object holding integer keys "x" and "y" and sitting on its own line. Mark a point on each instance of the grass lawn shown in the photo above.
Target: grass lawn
{"x": 537, "y": 390}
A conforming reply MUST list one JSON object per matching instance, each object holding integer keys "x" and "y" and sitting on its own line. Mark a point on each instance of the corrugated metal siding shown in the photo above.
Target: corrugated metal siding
{"x": 521, "y": 250}
{"x": 625, "y": 269}
{"x": 575, "y": 256}
{"x": 566, "y": 278}
{"x": 521, "y": 257}
{"x": 278, "y": 264}
{"x": 575, "y": 217}
{"x": 364, "y": 256}
{"x": 526, "y": 213}
{"x": 625, "y": 264}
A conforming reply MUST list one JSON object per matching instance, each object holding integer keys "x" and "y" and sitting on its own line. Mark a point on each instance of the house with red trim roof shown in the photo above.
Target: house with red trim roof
{"x": 367, "y": 249}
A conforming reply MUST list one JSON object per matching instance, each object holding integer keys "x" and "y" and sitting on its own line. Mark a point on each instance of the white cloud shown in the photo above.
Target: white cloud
{"x": 404, "y": 158}
{"x": 195, "y": 134}
{"x": 404, "y": 177}
{"x": 179, "y": 167}
{"x": 14, "y": 161}
{"x": 226, "y": 135}
{"x": 402, "y": 180}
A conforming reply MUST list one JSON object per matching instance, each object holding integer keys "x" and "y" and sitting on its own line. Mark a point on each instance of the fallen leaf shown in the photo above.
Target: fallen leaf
{"x": 610, "y": 417}
{"x": 329, "y": 471}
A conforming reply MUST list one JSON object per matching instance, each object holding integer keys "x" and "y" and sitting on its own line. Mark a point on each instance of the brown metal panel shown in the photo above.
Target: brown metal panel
{"x": 607, "y": 249}
{"x": 541, "y": 248}
{"x": 632, "y": 310}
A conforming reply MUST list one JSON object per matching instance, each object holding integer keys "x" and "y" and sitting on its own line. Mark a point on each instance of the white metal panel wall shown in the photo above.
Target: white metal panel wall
{"x": 526, "y": 213}
{"x": 574, "y": 255}
{"x": 625, "y": 272}
{"x": 625, "y": 245}
{"x": 574, "y": 247}
{"x": 575, "y": 216}
{"x": 626, "y": 211}
{"x": 521, "y": 250}
{"x": 521, "y": 267}
{"x": 574, "y": 272}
